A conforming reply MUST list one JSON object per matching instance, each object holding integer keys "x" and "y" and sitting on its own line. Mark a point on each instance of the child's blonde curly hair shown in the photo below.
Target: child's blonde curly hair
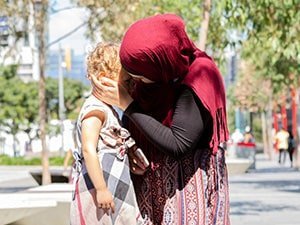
{"x": 104, "y": 60}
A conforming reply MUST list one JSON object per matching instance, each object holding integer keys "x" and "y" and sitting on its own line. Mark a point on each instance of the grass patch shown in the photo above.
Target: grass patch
{"x": 23, "y": 161}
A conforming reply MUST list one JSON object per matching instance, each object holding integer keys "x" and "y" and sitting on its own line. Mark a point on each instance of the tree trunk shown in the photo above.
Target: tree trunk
{"x": 43, "y": 116}
{"x": 267, "y": 134}
{"x": 204, "y": 24}
{"x": 14, "y": 130}
{"x": 269, "y": 130}
{"x": 14, "y": 145}
{"x": 297, "y": 136}
{"x": 40, "y": 25}
{"x": 264, "y": 133}
{"x": 28, "y": 147}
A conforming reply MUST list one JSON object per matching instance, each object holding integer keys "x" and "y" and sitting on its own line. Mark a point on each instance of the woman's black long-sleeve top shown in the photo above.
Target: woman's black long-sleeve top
{"x": 190, "y": 124}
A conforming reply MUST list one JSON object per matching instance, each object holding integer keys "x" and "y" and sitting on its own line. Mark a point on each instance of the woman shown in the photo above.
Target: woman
{"x": 291, "y": 147}
{"x": 176, "y": 113}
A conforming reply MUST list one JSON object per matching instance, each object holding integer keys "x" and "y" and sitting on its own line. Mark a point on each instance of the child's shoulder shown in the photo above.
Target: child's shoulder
{"x": 93, "y": 101}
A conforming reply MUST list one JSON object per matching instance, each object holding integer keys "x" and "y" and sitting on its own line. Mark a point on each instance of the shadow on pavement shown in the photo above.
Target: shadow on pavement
{"x": 257, "y": 207}
{"x": 13, "y": 189}
{"x": 280, "y": 185}
{"x": 275, "y": 169}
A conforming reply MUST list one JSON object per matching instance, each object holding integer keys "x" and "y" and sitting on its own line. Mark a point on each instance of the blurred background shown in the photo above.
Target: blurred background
{"x": 43, "y": 45}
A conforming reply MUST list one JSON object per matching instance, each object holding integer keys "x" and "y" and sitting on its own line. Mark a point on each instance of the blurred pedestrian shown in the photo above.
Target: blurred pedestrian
{"x": 177, "y": 114}
{"x": 237, "y": 136}
{"x": 282, "y": 140}
{"x": 248, "y": 136}
{"x": 68, "y": 155}
{"x": 291, "y": 148}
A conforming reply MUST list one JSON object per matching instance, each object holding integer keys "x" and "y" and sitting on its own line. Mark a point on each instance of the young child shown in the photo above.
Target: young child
{"x": 104, "y": 192}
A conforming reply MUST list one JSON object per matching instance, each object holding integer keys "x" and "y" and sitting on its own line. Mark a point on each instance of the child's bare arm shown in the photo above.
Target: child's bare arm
{"x": 91, "y": 126}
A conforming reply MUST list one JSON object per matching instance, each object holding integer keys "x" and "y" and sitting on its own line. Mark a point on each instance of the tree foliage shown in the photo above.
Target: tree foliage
{"x": 265, "y": 32}
{"x": 112, "y": 18}
{"x": 19, "y": 101}
{"x": 17, "y": 14}
{"x": 250, "y": 92}
{"x": 73, "y": 97}
{"x": 109, "y": 19}
{"x": 269, "y": 44}
{"x": 271, "y": 32}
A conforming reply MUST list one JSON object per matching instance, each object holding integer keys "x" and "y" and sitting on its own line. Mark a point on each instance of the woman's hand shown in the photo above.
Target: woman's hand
{"x": 111, "y": 92}
{"x": 104, "y": 200}
{"x": 137, "y": 161}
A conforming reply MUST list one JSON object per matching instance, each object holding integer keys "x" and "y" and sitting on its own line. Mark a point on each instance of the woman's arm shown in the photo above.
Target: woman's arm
{"x": 112, "y": 92}
{"x": 91, "y": 126}
{"x": 188, "y": 124}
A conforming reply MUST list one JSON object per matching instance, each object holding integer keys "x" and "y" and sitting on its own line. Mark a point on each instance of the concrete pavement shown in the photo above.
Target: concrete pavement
{"x": 16, "y": 178}
{"x": 269, "y": 195}
{"x": 24, "y": 202}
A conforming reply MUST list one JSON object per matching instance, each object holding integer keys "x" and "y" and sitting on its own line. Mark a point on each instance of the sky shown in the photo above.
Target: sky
{"x": 64, "y": 21}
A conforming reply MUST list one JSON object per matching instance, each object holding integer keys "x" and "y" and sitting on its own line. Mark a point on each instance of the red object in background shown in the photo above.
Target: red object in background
{"x": 276, "y": 128}
{"x": 244, "y": 144}
{"x": 294, "y": 111}
{"x": 275, "y": 121}
{"x": 284, "y": 114}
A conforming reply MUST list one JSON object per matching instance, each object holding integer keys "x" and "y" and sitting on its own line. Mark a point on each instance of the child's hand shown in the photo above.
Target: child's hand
{"x": 104, "y": 200}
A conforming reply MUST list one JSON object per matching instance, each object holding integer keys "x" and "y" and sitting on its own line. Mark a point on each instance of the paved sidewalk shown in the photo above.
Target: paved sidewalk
{"x": 16, "y": 178}
{"x": 269, "y": 195}
{"x": 23, "y": 201}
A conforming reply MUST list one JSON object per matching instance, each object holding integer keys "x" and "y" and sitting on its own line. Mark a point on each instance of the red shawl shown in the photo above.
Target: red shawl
{"x": 158, "y": 48}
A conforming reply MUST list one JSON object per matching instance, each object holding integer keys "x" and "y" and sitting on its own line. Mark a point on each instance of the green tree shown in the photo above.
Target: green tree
{"x": 40, "y": 19}
{"x": 18, "y": 104}
{"x": 250, "y": 92}
{"x": 112, "y": 18}
{"x": 270, "y": 44}
{"x": 31, "y": 104}
{"x": 271, "y": 30}
{"x": 18, "y": 12}
{"x": 73, "y": 97}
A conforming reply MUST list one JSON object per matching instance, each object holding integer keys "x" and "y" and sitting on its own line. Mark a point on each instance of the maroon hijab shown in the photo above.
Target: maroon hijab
{"x": 158, "y": 48}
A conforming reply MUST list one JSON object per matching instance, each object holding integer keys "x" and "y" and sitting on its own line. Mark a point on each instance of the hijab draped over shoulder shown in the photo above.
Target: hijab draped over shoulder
{"x": 159, "y": 49}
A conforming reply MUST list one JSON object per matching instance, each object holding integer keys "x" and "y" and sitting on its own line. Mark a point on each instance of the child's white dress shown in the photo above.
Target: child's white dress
{"x": 115, "y": 165}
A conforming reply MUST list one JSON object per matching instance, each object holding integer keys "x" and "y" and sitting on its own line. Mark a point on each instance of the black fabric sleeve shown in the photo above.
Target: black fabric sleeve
{"x": 186, "y": 129}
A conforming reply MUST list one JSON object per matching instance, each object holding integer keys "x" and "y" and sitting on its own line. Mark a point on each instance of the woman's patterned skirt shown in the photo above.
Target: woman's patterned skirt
{"x": 192, "y": 190}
